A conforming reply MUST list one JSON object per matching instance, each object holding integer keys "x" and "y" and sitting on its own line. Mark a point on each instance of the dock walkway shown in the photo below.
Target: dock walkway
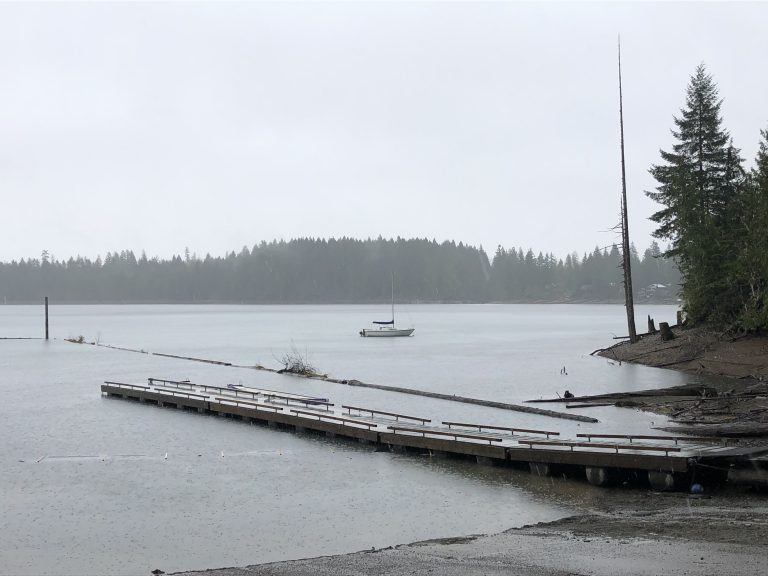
{"x": 668, "y": 462}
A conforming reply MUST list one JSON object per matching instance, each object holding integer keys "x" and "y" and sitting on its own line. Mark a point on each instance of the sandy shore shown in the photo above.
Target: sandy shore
{"x": 651, "y": 534}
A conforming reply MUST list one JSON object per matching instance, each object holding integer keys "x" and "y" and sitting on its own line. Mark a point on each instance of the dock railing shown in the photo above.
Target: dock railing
{"x": 455, "y": 434}
{"x": 481, "y": 427}
{"x": 307, "y": 402}
{"x": 238, "y": 402}
{"x": 392, "y": 414}
{"x": 632, "y": 437}
{"x": 124, "y": 385}
{"x": 174, "y": 383}
{"x": 341, "y": 419}
{"x": 237, "y": 390}
{"x": 183, "y": 393}
{"x": 614, "y": 446}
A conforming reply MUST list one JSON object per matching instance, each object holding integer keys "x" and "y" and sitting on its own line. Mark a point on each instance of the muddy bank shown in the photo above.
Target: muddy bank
{"x": 698, "y": 351}
{"x": 651, "y": 534}
{"x": 732, "y": 398}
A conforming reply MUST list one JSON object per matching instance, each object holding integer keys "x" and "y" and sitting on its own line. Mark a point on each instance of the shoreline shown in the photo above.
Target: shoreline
{"x": 616, "y": 302}
{"x": 651, "y": 533}
{"x": 699, "y": 351}
{"x": 731, "y": 398}
{"x": 647, "y": 534}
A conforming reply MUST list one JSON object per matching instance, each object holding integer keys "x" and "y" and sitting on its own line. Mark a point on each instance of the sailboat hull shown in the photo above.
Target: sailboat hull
{"x": 386, "y": 332}
{"x": 387, "y": 329}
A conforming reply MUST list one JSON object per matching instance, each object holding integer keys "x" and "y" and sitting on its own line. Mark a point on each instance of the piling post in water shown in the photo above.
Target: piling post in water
{"x": 46, "y": 317}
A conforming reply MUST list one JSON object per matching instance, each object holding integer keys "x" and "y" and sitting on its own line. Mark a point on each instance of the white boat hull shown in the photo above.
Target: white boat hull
{"x": 386, "y": 332}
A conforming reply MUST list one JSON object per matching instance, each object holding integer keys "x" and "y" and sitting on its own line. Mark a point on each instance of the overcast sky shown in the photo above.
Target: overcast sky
{"x": 212, "y": 125}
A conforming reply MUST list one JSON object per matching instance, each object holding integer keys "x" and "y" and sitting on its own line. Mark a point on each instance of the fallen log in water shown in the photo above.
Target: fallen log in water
{"x": 415, "y": 392}
{"x": 193, "y": 359}
{"x": 698, "y": 390}
{"x": 593, "y": 405}
{"x": 466, "y": 400}
{"x": 735, "y": 429}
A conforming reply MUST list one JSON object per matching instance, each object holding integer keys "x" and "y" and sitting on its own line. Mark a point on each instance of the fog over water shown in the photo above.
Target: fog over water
{"x": 160, "y": 125}
{"x": 87, "y": 487}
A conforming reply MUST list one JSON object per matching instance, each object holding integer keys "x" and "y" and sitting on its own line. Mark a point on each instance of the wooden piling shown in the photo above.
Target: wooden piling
{"x": 46, "y": 317}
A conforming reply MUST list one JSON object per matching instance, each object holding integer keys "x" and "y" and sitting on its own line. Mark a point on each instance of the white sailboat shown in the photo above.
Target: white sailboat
{"x": 386, "y": 328}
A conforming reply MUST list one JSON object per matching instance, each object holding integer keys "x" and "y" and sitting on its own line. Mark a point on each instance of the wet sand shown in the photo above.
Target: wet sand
{"x": 652, "y": 534}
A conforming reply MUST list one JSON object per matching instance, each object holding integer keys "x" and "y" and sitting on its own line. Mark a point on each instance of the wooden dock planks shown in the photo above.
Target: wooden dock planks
{"x": 673, "y": 455}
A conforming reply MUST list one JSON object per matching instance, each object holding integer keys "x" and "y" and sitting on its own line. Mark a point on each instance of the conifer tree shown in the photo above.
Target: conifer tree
{"x": 698, "y": 183}
{"x": 752, "y": 262}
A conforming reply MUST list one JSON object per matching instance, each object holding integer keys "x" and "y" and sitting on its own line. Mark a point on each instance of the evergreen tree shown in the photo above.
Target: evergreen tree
{"x": 698, "y": 183}
{"x": 329, "y": 271}
{"x": 752, "y": 261}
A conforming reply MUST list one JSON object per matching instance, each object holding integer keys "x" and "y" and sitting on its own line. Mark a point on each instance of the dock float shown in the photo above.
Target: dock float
{"x": 665, "y": 462}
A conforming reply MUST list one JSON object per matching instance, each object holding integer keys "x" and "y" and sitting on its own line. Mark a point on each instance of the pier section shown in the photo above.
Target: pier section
{"x": 664, "y": 462}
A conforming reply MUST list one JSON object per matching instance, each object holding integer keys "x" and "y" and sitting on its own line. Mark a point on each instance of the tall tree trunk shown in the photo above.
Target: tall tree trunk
{"x": 626, "y": 256}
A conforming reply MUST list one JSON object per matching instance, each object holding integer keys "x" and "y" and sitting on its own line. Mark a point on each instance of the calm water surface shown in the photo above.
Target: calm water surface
{"x": 101, "y": 486}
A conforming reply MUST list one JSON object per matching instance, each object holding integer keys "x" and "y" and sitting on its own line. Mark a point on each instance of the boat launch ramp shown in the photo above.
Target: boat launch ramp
{"x": 667, "y": 462}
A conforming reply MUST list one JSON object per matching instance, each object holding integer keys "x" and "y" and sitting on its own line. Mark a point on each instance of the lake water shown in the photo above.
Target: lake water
{"x": 92, "y": 485}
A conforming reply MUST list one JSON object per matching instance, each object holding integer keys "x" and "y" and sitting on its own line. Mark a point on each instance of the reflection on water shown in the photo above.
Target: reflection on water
{"x": 95, "y": 485}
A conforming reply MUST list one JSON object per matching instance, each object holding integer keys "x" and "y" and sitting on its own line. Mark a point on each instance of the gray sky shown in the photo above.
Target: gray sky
{"x": 215, "y": 125}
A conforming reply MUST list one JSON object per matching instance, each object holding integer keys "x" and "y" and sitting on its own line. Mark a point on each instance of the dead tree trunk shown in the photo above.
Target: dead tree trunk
{"x": 626, "y": 256}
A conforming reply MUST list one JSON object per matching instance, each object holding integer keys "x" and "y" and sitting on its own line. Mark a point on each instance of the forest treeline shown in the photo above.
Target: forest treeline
{"x": 714, "y": 215}
{"x": 340, "y": 271}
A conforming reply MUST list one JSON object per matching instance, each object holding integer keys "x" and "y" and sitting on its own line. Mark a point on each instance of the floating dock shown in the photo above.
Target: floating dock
{"x": 667, "y": 462}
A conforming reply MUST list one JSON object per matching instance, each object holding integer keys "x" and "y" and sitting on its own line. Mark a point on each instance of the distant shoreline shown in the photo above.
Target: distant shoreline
{"x": 53, "y": 302}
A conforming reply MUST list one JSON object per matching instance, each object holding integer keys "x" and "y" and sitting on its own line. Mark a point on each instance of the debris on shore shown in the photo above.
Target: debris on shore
{"x": 733, "y": 403}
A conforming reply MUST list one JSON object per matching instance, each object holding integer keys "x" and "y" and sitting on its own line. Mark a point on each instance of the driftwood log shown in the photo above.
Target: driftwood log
{"x": 698, "y": 391}
{"x": 466, "y": 400}
{"x": 736, "y": 429}
{"x": 401, "y": 390}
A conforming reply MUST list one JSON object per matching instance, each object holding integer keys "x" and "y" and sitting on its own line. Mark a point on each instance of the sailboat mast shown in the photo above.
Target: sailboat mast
{"x": 626, "y": 256}
{"x": 393, "y": 299}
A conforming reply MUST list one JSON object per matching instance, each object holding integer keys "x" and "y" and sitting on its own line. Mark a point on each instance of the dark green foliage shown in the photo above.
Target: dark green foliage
{"x": 697, "y": 183}
{"x": 338, "y": 271}
{"x": 713, "y": 215}
{"x": 595, "y": 277}
{"x": 751, "y": 275}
